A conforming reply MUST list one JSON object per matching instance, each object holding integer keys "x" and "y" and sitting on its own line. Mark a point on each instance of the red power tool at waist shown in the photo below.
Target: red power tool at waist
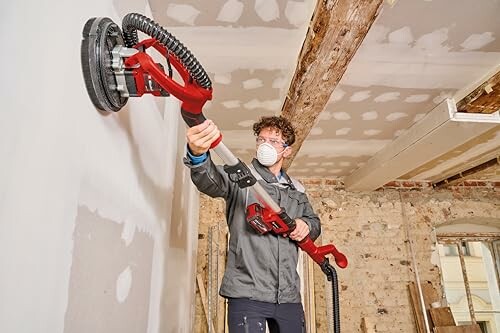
{"x": 264, "y": 220}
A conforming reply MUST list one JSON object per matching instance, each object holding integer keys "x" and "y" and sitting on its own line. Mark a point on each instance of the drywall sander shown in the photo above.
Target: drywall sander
{"x": 116, "y": 66}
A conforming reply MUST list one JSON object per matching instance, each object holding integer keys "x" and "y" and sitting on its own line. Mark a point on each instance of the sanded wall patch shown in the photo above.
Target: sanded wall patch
{"x": 110, "y": 279}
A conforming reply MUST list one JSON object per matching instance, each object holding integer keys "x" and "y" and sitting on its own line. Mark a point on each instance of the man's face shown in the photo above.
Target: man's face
{"x": 275, "y": 139}
{"x": 271, "y": 136}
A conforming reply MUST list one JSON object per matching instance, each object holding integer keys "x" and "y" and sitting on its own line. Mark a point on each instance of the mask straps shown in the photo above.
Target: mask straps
{"x": 283, "y": 150}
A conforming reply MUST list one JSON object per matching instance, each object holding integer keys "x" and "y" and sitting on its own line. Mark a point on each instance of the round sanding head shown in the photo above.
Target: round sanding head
{"x": 100, "y": 36}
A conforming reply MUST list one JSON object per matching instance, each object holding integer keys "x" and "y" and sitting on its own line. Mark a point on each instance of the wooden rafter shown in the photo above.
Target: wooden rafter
{"x": 336, "y": 32}
{"x": 483, "y": 99}
{"x": 492, "y": 164}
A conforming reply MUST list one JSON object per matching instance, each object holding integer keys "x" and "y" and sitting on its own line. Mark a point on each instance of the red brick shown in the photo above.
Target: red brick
{"x": 422, "y": 184}
{"x": 311, "y": 181}
{"x": 332, "y": 182}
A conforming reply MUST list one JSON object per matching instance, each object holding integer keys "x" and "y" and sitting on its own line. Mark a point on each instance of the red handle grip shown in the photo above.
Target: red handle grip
{"x": 193, "y": 119}
{"x": 318, "y": 253}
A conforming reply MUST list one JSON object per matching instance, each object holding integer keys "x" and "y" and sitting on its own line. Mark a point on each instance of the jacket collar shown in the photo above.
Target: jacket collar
{"x": 268, "y": 176}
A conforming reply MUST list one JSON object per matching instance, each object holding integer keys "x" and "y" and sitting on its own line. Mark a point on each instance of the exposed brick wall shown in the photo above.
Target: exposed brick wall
{"x": 371, "y": 230}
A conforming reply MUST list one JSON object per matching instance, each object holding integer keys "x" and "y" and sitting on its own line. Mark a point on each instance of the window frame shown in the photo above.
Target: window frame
{"x": 491, "y": 239}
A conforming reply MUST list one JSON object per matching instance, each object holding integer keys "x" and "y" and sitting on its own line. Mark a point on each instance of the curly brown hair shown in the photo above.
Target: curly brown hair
{"x": 279, "y": 123}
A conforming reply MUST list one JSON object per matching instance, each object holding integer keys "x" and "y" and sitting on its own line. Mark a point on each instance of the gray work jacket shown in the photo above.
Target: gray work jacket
{"x": 259, "y": 267}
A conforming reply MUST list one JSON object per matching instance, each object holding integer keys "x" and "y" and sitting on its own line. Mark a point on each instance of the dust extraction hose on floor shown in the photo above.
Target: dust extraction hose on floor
{"x": 332, "y": 276}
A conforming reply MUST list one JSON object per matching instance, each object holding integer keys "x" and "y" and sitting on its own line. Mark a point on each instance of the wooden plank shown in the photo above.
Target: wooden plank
{"x": 203, "y": 295}
{"x": 458, "y": 329}
{"x": 368, "y": 325}
{"x": 442, "y": 316}
{"x": 494, "y": 247}
{"x": 309, "y": 304}
{"x": 416, "y": 308}
{"x": 221, "y": 304}
{"x": 465, "y": 276}
{"x": 430, "y": 296}
{"x": 336, "y": 31}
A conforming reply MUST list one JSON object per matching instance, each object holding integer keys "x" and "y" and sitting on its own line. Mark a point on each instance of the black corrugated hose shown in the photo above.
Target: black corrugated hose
{"x": 331, "y": 275}
{"x": 335, "y": 299}
{"x": 133, "y": 22}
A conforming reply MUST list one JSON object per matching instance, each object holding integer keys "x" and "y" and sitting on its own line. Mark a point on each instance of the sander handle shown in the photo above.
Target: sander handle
{"x": 318, "y": 253}
{"x": 193, "y": 119}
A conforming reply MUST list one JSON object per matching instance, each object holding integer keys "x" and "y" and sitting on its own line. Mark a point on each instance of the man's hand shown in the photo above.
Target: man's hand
{"x": 301, "y": 230}
{"x": 201, "y": 137}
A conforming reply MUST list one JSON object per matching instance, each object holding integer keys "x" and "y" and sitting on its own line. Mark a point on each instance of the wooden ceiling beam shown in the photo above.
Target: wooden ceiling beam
{"x": 484, "y": 99}
{"x": 336, "y": 31}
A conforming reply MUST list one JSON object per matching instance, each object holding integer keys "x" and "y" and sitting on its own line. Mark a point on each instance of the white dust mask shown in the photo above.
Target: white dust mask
{"x": 267, "y": 154}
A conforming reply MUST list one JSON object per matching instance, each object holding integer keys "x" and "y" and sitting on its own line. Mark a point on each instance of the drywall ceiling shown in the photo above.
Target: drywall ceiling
{"x": 416, "y": 54}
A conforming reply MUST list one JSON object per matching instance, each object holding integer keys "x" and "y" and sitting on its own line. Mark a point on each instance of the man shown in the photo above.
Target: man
{"x": 261, "y": 281}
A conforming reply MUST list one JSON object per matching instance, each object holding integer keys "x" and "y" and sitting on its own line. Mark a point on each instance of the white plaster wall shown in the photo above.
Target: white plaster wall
{"x": 57, "y": 152}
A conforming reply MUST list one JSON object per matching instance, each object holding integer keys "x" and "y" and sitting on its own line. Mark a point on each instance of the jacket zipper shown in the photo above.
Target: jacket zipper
{"x": 279, "y": 273}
